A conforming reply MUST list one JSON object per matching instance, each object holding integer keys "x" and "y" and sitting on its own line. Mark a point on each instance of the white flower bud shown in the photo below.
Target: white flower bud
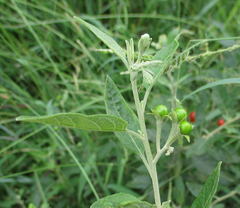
{"x": 143, "y": 45}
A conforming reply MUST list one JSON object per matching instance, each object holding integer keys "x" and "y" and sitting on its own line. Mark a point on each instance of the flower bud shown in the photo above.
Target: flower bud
{"x": 135, "y": 67}
{"x": 130, "y": 51}
{"x": 143, "y": 44}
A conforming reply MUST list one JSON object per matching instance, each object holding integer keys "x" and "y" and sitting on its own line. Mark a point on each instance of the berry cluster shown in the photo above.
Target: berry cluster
{"x": 185, "y": 127}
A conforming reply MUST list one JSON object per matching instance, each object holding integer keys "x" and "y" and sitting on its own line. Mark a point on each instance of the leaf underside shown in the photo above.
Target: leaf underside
{"x": 164, "y": 55}
{"x": 112, "y": 44}
{"x": 117, "y": 106}
{"x": 98, "y": 122}
{"x": 121, "y": 200}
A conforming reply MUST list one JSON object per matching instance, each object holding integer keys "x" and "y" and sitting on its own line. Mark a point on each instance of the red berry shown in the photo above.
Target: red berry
{"x": 221, "y": 122}
{"x": 192, "y": 115}
{"x": 192, "y": 120}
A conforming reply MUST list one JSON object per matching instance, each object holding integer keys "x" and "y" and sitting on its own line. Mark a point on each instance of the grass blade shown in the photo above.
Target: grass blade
{"x": 213, "y": 84}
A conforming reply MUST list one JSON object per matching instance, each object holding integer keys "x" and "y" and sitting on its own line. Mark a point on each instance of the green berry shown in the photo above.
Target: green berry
{"x": 185, "y": 127}
{"x": 162, "y": 110}
{"x": 181, "y": 113}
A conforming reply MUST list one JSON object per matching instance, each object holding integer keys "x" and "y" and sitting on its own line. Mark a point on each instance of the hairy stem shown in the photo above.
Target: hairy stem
{"x": 144, "y": 102}
{"x": 152, "y": 166}
{"x": 173, "y": 89}
{"x": 142, "y": 139}
{"x": 159, "y": 123}
{"x": 159, "y": 153}
{"x": 135, "y": 134}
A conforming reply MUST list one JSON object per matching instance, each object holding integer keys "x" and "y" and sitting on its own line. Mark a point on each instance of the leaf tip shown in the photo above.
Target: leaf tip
{"x": 21, "y": 118}
{"x": 18, "y": 118}
{"x": 77, "y": 18}
{"x": 108, "y": 79}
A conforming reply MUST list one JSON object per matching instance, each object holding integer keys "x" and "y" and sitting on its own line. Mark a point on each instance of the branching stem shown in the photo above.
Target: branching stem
{"x": 152, "y": 166}
{"x": 159, "y": 153}
{"x": 135, "y": 134}
{"x": 142, "y": 139}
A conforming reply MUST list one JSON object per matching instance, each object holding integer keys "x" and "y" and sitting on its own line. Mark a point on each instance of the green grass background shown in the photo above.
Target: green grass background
{"x": 48, "y": 64}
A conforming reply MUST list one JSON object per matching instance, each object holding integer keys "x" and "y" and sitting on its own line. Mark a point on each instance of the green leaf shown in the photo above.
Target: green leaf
{"x": 200, "y": 146}
{"x": 212, "y": 114}
{"x": 140, "y": 204}
{"x": 179, "y": 190}
{"x": 31, "y": 205}
{"x": 194, "y": 188}
{"x": 119, "y": 188}
{"x": 165, "y": 204}
{"x": 112, "y": 44}
{"x": 225, "y": 154}
{"x": 121, "y": 200}
{"x": 98, "y": 122}
{"x": 205, "y": 196}
{"x": 238, "y": 188}
{"x": 213, "y": 84}
{"x": 117, "y": 106}
{"x": 222, "y": 97}
{"x": 174, "y": 130}
{"x": 114, "y": 200}
{"x": 164, "y": 55}
{"x": 202, "y": 106}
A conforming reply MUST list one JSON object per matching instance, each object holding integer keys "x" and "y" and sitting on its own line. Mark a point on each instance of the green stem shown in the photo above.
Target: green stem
{"x": 209, "y": 53}
{"x": 159, "y": 153}
{"x": 172, "y": 138}
{"x": 144, "y": 102}
{"x": 152, "y": 167}
{"x": 142, "y": 139}
{"x": 159, "y": 123}
{"x": 222, "y": 127}
{"x": 135, "y": 134}
{"x": 141, "y": 120}
{"x": 219, "y": 199}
